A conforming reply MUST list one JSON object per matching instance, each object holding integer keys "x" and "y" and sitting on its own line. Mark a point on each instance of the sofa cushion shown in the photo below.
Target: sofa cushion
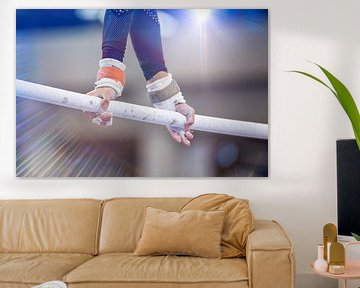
{"x": 63, "y": 226}
{"x": 239, "y": 220}
{"x": 15, "y": 285}
{"x": 237, "y": 284}
{"x": 36, "y": 268}
{"x": 193, "y": 232}
{"x": 123, "y": 220}
{"x": 125, "y": 267}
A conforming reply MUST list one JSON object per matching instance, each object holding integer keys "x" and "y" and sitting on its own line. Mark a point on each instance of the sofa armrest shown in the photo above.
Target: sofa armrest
{"x": 269, "y": 256}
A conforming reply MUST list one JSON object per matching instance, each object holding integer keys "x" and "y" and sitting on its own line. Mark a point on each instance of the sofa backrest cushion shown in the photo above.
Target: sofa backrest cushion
{"x": 123, "y": 220}
{"x": 239, "y": 220}
{"x": 64, "y": 226}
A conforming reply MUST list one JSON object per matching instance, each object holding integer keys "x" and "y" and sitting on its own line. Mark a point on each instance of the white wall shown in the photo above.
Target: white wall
{"x": 305, "y": 121}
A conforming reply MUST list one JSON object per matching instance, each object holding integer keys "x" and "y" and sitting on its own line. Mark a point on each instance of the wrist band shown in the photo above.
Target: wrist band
{"x": 165, "y": 93}
{"x": 111, "y": 74}
{"x": 107, "y": 82}
{"x": 110, "y": 62}
{"x": 159, "y": 84}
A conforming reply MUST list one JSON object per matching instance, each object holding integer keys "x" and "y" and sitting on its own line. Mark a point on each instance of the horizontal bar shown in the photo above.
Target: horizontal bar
{"x": 83, "y": 102}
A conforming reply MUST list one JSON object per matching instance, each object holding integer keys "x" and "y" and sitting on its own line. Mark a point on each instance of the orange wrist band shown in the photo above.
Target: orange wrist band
{"x": 113, "y": 73}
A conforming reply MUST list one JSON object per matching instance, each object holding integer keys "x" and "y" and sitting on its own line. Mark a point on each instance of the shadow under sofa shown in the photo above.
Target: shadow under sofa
{"x": 90, "y": 243}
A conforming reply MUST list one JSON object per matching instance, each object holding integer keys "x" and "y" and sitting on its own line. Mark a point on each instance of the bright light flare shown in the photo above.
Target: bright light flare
{"x": 202, "y": 15}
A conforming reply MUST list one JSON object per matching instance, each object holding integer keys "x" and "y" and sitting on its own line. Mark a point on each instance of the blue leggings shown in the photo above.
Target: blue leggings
{"x": 144, "y": 28}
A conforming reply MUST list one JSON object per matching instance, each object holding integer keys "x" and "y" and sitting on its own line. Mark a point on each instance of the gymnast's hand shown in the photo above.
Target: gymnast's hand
{"x": 104, "y": 118}
{"x": 164, "y": 93}
{"x": 184, "y": 136}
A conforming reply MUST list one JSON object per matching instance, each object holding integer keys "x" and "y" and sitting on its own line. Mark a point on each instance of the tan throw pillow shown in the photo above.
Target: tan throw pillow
{"x": 239, "y": 220}
{"x": 196, "y": 233}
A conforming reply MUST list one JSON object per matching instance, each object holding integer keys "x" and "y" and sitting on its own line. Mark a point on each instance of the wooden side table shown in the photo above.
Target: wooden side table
{"x": 352, "y": 268}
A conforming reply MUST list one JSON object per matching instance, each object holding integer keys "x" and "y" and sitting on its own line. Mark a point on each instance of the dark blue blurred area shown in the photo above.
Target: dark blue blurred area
{"x": 28, "y": 19}
{"x": 248, "y": 14}
{"x": 250, "y": 18}
{"x": 226, "y": 14}
{"x": 253, "y": 19}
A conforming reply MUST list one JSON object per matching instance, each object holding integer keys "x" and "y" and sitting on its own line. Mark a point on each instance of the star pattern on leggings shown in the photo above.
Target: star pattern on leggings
{"x": 149, "y": 12}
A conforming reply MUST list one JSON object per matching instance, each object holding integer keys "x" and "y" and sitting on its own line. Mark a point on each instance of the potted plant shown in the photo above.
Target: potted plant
{"x": 345, "y": 99}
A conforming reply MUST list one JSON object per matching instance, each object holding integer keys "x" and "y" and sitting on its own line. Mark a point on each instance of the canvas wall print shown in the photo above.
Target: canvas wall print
{"x": 142, "y": 93}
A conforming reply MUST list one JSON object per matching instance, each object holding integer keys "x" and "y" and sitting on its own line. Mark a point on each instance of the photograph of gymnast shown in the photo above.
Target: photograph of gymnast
{"x": 173, "y": 93}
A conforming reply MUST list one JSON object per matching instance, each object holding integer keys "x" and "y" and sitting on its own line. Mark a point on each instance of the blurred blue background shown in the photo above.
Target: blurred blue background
{"x": 218, "y": 57}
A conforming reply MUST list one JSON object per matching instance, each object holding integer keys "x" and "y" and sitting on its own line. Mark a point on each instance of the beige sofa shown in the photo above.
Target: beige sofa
{"x": 89, "y": 243}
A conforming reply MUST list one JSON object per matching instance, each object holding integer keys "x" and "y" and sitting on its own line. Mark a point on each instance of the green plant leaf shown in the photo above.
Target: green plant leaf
{"x": 347, "y": 101}
{"x": 316, "y": 79}
{"x": 357, "y": 237}
{"x": 344, "y": 97}
{"x": 357, "y": 137}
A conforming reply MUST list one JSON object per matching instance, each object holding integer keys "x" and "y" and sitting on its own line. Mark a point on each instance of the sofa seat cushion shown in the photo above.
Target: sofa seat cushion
{"x": 36, "y": 268}
{"x": 125, "y": 267}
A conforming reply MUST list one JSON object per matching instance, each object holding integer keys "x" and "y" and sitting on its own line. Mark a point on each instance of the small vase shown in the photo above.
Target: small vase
{"x": 320, "y": 264}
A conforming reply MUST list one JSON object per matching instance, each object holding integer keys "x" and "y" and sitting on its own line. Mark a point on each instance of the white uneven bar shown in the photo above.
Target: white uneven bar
{"x": 83, "y": 102}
